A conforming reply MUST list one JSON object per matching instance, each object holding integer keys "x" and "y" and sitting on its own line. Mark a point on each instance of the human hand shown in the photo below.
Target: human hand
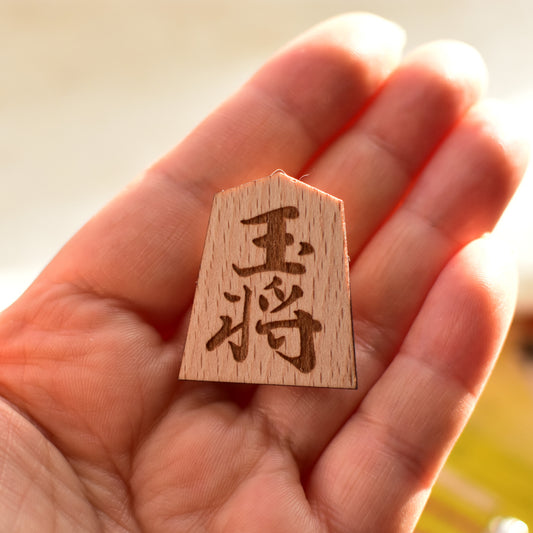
{"x": 96, "y": 432}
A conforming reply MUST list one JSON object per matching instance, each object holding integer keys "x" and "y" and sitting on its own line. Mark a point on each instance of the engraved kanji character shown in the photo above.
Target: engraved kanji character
{"x": 305, "y": 361}
{"x": 275, "y": 241}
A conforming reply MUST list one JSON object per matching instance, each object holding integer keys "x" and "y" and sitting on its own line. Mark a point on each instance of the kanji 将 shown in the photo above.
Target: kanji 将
{"x": 304, "y": 323}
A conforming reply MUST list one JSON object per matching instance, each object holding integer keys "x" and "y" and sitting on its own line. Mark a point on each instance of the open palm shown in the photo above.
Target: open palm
{"x": 96, "y": 432}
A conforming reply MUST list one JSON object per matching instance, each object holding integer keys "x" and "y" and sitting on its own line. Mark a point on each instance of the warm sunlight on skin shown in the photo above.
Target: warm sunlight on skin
{"x": 98, "y": 434}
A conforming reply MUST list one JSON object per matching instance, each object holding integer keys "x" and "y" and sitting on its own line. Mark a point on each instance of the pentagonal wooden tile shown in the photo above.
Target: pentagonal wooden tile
{"x": 272, "y": 303}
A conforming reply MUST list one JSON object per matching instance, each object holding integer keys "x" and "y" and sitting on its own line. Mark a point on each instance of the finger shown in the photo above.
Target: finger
{"x": 394, "y": 446}
{"x": 145, "y": 248}
{"x": 373, "y": 164}
{"x": 458, "y": 197}
{"x": 370, "y": 167}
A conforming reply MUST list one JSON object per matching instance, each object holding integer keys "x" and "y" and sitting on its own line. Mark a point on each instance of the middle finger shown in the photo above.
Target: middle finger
{"x": 373, "y": 164}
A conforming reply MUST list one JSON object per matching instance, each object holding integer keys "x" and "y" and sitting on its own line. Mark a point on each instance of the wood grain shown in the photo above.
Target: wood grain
{"x": 272, "y": 303}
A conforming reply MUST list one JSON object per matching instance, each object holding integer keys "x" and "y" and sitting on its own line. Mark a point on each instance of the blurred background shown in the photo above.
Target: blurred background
{"x": 93, "y": 91}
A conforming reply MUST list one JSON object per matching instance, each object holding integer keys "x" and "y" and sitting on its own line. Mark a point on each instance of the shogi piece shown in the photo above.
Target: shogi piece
{"x": 272, "y": 303}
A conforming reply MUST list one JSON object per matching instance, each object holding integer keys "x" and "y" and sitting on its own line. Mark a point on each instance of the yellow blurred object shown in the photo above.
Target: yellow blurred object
{"x": 490, "y": 471}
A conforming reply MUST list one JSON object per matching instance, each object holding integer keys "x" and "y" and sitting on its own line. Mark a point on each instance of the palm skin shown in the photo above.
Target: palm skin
{"x": 97, "y": 434}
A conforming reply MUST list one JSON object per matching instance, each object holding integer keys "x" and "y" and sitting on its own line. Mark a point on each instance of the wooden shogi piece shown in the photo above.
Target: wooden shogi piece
{"x": 272, "y": 304}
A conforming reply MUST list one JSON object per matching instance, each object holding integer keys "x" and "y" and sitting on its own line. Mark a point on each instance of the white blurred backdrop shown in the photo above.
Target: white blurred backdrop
{"x": 93, "y": 91}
